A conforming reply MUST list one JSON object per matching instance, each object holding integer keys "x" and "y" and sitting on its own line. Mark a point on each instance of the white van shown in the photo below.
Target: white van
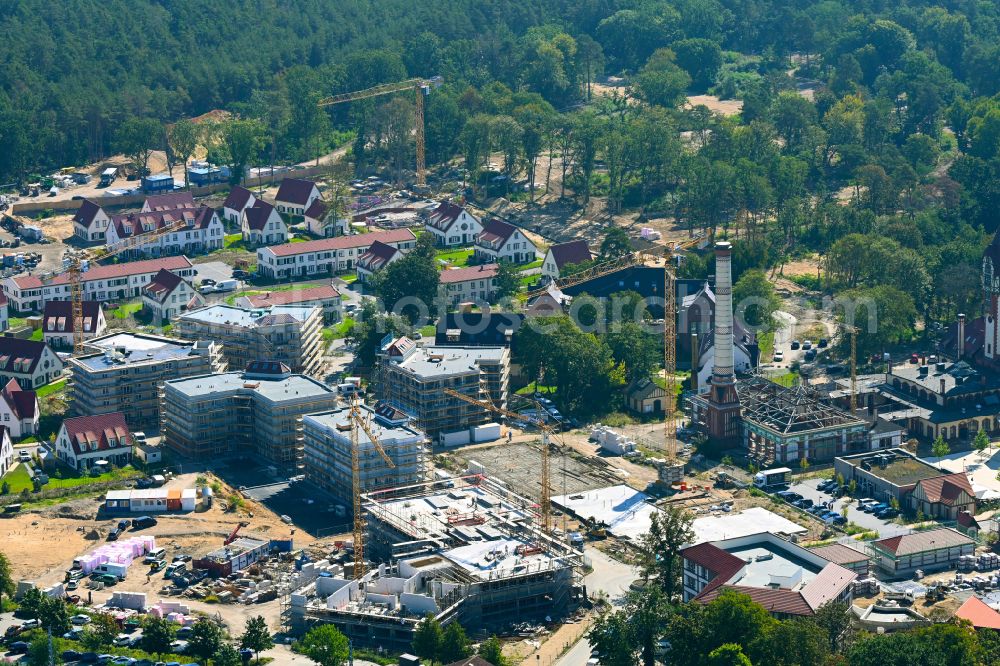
{"x": 227, "y": 285}
{"x": 154, "y": 555}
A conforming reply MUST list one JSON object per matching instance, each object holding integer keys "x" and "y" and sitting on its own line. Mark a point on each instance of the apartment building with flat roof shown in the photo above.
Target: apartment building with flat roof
{"x": 289, "y": 334}
{"x": 125, "y": 371}
{"x": 256, "y": 411}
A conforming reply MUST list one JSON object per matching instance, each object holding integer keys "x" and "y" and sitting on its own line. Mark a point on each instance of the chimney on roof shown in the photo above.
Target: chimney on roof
{"x": 942, "y": 386}
{"x": 961, "y": 336}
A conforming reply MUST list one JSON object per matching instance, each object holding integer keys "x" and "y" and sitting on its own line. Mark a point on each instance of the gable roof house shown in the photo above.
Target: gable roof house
{"x": 326, "y": 255}
{"x": 378, "y": 256}
{"x": 295, "y": 196}
{"x": 202, "y": 231}
{"x": 169, "y": 201}
{"x": 643, "y": 396}
{"x": 944, "y": 496}
{"x": 19, "y": 410}
{"x": 58, "y": 324}
{"x": 262, "y": 225}
{"x": 32, "y": 363}
{"x": 6, "y": 452}
{"x": 562, "y": 255}
{"x": 501, "y": 241}
{"x": 90, "y": 223}
{"x": 451, "y": 225}
{"x": 321, "y": 220}
{"x": 472, "y": 283}
{"x": 238, "y": 200}
{"x": 168, "y": 295}
{"x": 85, "y": 440}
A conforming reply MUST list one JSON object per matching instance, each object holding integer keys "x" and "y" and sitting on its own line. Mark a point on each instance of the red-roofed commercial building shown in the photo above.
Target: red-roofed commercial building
{"x": 565, "y": 254}
{"x": 784, "y": 578}
{"x": 18, "y": 410}
{"x": 57, "y": 322}
{"x": 28, "y": 293}
{"x": 472, "y": 283}
{"x": 451, "y": 225}
{"x": 295, "y": 196}
{"x": 499, "y": 241}
{"x": 84, "y": 440}
{"x": 325, "y": 297}
{"x": 928, "y": 550}
{"x": 326, "y": 256}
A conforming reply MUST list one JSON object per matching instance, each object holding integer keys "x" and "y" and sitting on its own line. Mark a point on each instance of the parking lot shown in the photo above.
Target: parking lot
{"x": 308, "y": 511}
{"x": 885, "y": 528}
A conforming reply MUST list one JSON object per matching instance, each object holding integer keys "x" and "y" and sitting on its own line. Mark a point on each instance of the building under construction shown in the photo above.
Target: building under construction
{"x": 466, "y": 550}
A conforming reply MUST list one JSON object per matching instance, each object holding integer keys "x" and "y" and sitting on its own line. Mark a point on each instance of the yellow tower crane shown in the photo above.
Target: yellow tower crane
{"x": 77, "y": 262}
{"x": 545, "y": 496}
{"x": 358, "y": 422}
{"x": 421, "y": 87}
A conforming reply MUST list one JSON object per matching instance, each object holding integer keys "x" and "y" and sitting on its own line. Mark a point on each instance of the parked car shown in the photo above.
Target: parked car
{"x": 88, "y": 657}
{"x": 810, "y": 355}
{"x": 804, "y": 503}
{"x": 142, "y": 522}
{"x": 241, "y": 274}
{"x": 71, "y": 655}
{"x": 182, "y": 558}
{"x": 72, "y": 585}
{"x": 107, "y": 579}
{"x": 157, "y": 565}
{"x": 18, "y": 647}
{"x": 807, "y": 344}
{"x": 80, "y": 619}
{"x": 184, "y": 633}
{"x": 115, "y": 533}
{"x": 886, "y": 514}
{"x": 823, "y": 342}
{"x": 121, "y": 640}
{"x": 778, "y": 357}
{"x": 796, "y": 344}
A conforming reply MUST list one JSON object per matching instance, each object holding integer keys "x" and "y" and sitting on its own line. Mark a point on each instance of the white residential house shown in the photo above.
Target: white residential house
{"x": 18, "y": 410}
{"x": 84, "y": 440}
{"x": 90, "y": 223}
{"x": 451, "y": 225}
{"x": 321, "y": 220}
{"x": 472, "y": 283}
{"x": 500, "y": 241}
{"x": 6, "y": 452}
{"x": 558, "y": 257}
{"x": 169, "y": 201}
{"x": 378, "y": 256}
{"x": 168, "y": 295}
{"x": 295, "y": 196}
{"x": 28, "y": 293}
{"x": 327, "y": 255}
{"x": 58, "y": 324}
{"x": 262, "y": 225}
{"x": 4, "y": 319}
{"x": 32, "y": 363}
{"x": 202, "y": 231}
{"x": 239, "y": 199}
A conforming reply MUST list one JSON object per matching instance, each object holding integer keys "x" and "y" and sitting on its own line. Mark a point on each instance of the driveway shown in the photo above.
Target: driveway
{"x": 216, "y": 270}
{"x": 868, "y": 521}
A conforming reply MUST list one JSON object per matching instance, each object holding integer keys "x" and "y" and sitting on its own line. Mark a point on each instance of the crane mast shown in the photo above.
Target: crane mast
{"x": 359, "y": 423}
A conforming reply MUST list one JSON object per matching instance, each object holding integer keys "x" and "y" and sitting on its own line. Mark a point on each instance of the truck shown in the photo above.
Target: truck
{"x": 108, "y": 176}
{"x": 771, "y": 478}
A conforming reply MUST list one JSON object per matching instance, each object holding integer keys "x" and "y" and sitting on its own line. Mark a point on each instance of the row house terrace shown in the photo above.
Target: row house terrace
{"x": 328, "y": 255}
{"x": 203, "y": 231}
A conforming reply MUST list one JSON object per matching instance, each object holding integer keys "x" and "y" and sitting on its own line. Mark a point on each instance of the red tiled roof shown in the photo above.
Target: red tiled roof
{"x": 839, "y": 554}
{"x": 342, "y": 242}
{"x": 162, "y": 284}
{"x": 129, "y": 224}
{"x": 786, "y": 602}
{"x": 724, "y": 565}
{"x": 979, "y": 614}
{"x": 86, "y": 213}
{"x": 238, "y": 198}
{"x": 295, "y": 191}
{"x": 57, "y": 317}
{"x": 317, "y": 209}
{"x": 496, "y": 230}
{"x": 828, "y": 585}
{"x": 444, "y": 215}
{"x": 919, "y": 542}
{"x": 258, "y": 215}
{"x": 110, "y": 271}
{"x": 292, "y": 296}
{"x": 377, "y": 256}
{"x": 98, "y": 428}
{"x": 171, "y": 201}
{"x": 574, "y": 252}
{"x": 15, "y": 349}
{"x": 23, "y": 403}
{"x": 483, "y": 272}
{"x": 947, "y": 488}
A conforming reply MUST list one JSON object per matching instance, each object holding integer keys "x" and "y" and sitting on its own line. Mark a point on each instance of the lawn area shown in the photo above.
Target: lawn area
{"x": 37, "y": 335}
{"x": 786, "y": 379}
{"x": 349, "y": 278}
{"x": 233, "y": 242}
{"x": 766, "y": 342}
{"x": 126, "y": 310}
{"x": 18, "y": 479}
{"x": 339, "y": 330}
{"x": 527, "y": 281}
{"x": 17, "y": 322}
{"x": 457, "y": 258}
{"x": 530, "y": 389}
{"x": 51, "y": 388}
{"x": 533, "y": 264}
{"x": 428, "y": 331}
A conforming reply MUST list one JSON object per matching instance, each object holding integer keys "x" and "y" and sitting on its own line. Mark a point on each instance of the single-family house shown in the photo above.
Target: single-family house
{"x": 262, "y": 225}
{"x": 6, "y": 452}
{"x": 472, "y": 283}
{"x": 32, "y": 363}
{"x": 295, "y": 196}
{"x": 202, "y": 231}
{"x": 322, "y": 220}
{"x": 451, "y": 225}
{"x": 171, "y": 201}
{"x": 562, "y": 255}
{"x": 944, "y": 497}
{"x": 644, "y": 396}
{"x": 239, "y": 199}
{"x": 499, "y": 241}
{"x": 85, "y": 440}
{"x": 18, "y": 410}
{"x": 168, "y": 295}
{"x": 326, "y": 255}
{"x": 378, "y": 256}
{"x": 326, "y": 297}
{"x": 58, "y": 324}
{"x": 90, "y": 222}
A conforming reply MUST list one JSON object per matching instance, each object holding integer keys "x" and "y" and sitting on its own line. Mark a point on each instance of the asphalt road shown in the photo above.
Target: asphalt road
{"x": 866, "y": 520}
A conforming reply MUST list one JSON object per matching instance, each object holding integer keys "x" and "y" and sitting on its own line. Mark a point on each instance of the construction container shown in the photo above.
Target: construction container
{"x": 488, "y": 432}
{"x": 457, "y": 438}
